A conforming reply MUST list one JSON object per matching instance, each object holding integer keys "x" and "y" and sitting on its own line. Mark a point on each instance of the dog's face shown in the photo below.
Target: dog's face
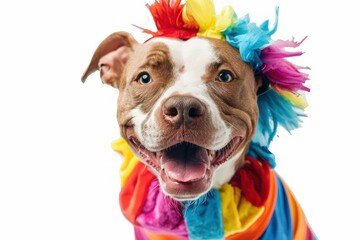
{"x": 188, "y": 109}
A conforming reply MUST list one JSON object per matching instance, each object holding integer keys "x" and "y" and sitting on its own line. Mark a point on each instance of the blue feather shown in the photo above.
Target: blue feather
{"x": 274, "y": 111}
{"x": 250, "y": 39}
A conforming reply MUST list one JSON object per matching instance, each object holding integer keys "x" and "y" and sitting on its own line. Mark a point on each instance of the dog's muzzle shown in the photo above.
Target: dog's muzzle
{"x": 185, "y": 158}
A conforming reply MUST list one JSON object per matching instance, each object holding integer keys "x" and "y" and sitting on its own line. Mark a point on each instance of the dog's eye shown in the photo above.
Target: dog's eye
{"x": 144, "y": 78}
{"x": 225, "y": 76}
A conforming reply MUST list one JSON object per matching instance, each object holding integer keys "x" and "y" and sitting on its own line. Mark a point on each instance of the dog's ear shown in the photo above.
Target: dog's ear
{"x": 262, "y": 84}
{"x": 110, "y": 57}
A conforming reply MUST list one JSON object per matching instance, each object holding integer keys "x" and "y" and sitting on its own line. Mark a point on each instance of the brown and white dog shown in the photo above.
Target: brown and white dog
{"x": 188, "y": 109}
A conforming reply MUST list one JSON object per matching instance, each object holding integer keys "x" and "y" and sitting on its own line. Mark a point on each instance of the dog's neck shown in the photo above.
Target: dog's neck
{"x": 227, "y": 170}
{"x": 254, "y": 204}
{"x": 144, "y": 204}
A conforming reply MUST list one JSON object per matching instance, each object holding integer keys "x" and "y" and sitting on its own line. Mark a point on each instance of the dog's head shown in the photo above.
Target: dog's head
{"x": 188, "y": 109}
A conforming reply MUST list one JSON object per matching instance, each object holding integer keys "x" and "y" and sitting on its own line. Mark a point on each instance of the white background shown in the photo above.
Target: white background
{"x": 58, "y": 175}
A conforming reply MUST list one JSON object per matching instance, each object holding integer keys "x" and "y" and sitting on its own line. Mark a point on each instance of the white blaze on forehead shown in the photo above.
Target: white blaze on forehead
{"x": 192, "y": 57}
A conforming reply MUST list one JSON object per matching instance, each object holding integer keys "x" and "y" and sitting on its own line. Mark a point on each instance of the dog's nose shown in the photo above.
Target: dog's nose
{"x": 183, "y": 110}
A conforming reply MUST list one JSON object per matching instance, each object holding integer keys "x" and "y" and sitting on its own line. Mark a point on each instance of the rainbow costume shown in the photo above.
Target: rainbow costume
{"x": 256, "y": 203}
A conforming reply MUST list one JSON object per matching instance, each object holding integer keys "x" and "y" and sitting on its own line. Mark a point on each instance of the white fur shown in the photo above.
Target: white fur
{"x": 138, "y": 118}
{"x": 225, "y": 172}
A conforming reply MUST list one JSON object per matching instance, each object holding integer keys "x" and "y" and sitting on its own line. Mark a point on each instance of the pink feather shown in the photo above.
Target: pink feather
{"x": 281, "y": 73}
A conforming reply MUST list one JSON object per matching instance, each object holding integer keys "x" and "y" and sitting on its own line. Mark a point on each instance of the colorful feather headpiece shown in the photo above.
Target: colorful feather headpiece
{"x": 279, "y": 100}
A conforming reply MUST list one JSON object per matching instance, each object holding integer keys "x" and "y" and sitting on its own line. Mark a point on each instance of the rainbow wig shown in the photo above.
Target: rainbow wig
{"x": 279, "y": 99}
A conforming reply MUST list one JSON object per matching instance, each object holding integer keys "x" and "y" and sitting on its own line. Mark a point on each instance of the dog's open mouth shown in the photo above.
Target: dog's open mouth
{"x": 185, "y": 169}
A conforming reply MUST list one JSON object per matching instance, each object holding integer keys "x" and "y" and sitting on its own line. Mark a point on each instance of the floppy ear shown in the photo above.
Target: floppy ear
{"x": 110, "y": 57}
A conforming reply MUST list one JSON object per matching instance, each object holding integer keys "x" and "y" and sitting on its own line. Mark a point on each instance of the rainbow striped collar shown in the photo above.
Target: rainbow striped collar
{"x": 255, "y": 204}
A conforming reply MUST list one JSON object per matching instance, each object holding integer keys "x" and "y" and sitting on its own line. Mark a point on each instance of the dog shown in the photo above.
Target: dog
{"x": 188, "y": 113}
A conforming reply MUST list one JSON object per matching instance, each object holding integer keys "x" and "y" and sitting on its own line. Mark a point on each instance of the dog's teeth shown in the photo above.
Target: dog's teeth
{"x": 159, "y": 155}
{"x": 211, "y": 154}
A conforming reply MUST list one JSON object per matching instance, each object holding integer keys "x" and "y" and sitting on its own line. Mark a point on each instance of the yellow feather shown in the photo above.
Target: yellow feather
{"x": 203, "y": 13}
{"x": 226, "y": 18}
{"x": 295, "y": 99}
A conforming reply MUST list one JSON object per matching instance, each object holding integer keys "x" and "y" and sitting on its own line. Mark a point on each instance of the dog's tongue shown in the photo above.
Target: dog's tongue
{"x": 185, "y": 162}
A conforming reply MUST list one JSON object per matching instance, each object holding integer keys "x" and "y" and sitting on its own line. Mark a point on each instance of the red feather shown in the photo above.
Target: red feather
{"x": 167, "y": 15}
